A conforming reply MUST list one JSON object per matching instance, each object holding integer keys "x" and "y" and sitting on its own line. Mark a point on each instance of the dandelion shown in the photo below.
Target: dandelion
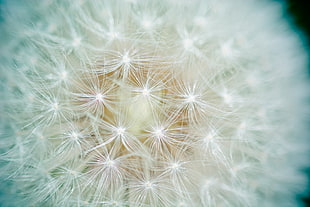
{"x": 151, "y": 103}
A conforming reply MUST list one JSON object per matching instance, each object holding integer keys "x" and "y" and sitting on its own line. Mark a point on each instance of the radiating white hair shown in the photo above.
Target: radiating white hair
{"x": 152, "y": 103}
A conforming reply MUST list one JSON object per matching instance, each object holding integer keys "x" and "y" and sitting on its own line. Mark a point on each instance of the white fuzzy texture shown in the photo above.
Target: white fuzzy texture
{"x": 151, "y": 103}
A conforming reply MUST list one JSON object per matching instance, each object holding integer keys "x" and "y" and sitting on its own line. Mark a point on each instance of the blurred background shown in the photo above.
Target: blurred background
{"x": 300, "y": 13}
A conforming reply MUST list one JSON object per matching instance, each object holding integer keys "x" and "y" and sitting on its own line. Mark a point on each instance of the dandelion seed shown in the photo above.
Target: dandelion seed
{"x": 200, "y": 21}
{"x": 75, "y": 136}
{"x": 188, "y": 44}
{"x": 76, "y": 42}
{"x": 99, "y": 97}
{"x": 158, "y": 133}
{"x": 146, "y": 92}
{"x": 190, "y": 99}
{"x": 113, "y": 35}
{"x": 63, "y": 75}
{"x": 120, "y": 131}
{"x": 175, "y": 166}
{"x": 148, "y": 185}
{"x": 147, "y": 24}
{"x": 126, "y": 59}
{"x": 55, "y": 107}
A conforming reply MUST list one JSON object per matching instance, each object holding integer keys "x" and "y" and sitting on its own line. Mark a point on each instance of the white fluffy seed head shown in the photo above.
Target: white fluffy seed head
{"x": 144, "y": 103}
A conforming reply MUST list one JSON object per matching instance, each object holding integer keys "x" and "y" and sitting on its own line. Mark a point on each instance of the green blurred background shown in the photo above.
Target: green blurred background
{"x": 300, "y": 12}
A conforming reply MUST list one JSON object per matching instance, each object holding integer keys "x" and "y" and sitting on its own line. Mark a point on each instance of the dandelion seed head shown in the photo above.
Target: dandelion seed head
{"x": 143, "y": 103}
